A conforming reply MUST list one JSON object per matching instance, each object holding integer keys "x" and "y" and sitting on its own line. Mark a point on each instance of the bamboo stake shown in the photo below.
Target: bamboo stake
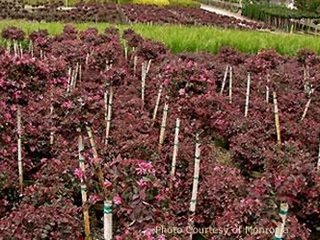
{"x": 267, "y": 88}
{"x": 277, "y": 120}
{"x": 195, "y": 183}
{"x": 20, "y": 50}
{"x": 20, "y": 167}
{"x": 230, "y": 85}
{"x": 107, "y": 220}
{"x": 135, "y": 61}
{"x": 306, "y": 109}
{"x": 15, "y": 48}
{"x": 41, "y": 54}
{"x": 175, "y": 147}
{"x": 163, "y": 123}
{"x": 224, "y": 79}
{"x": 51, "y": 132}
{"x": 96, "y": 156}
{"x": 31, "y": 48}
{"x": 87, "y": 59}
{"x": 148, "y": 66}
{"x": 126, "y": 53}
{"x": 281, "y": 227}
{"x": 69, "y": 79}
{"x": 109, "y": 108}
{"x": 143, "y": 79}
{"x": 107, "y": 204}
{"x": 157, "y": 105}
{"x": 247, "y": 96}
{"x": 84, "y": 189}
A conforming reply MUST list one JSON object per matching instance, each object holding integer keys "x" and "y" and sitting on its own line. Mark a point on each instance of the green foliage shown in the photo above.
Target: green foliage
{"x": 262, "y": 11}
{"x": 153, "y": 2}
{"x": 308, "y": 5}
{"x": 193, "y": 39}
{"x": 184, "y": 3}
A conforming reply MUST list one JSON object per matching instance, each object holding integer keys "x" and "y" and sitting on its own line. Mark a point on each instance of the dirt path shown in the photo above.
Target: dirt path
{"x": 224, "y": 12}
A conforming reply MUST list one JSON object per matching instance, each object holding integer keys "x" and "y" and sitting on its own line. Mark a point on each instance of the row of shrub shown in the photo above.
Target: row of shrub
{"x": 185, "y": 3}
{"x": 261, "y": 12}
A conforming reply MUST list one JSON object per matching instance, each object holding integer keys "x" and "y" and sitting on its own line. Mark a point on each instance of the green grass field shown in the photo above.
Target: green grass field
{"x": 192, "y": 39}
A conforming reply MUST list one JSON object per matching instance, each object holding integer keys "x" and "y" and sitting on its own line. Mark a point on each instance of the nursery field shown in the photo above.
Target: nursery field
{"x": 109, "y": 135}
{"x": 193, "y": 39}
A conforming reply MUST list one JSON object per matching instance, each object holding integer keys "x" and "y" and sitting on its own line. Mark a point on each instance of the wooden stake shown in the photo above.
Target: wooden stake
{"x": 99, "y": 172}
{"x": 224, "y": 79}
{"x": 175, "y": 147}
{"x": 148, "y": 66}
{"x": 143, "y": 79}
{"x": 247, "y": 96}
{"x": 51, "y": 132}
{"x": 69, "y": 79}
{"x": 126, "y": 53}
{"x": 163, "y": 123}
{"x": 107, "y": 204}
{"x": 20, "y": 167}
{"x": 31, "y": 48}
{"x": 307, "y": 105}
{"x": 281, "y": 227}
{"x": 107, "y": 220}
{"x": 230, "y": 85}
{"x": 135, "y": 61}
{"x": 277, "y": 120}
{"x": 84, "y": 189}
{"x": 196, "y": 175}
{"x": 108, "y": 123}
{"x": 20, "y": 50}
{"x": 87, "y": 59}
{"x": 157, "y": 105}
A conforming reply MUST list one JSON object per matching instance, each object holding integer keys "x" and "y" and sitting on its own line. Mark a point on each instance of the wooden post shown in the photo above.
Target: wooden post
{"x": 20, "y": 167}
{"x": 277, "y": 120}
{"x": 224, "y": 79}
{"x": 163, "y": 123}
{"x": 195, "y": 183}
{"x": 283, "y": 214}
{"x": 247, "y": 96}
{"x": 267, "y": 88}
{"x": 175, "y": 147}
{"x": 230, "y": 85}
{"x": 157, "y": 105}
{"x": 307, "y": 105}
{"x": 84, "y": 189}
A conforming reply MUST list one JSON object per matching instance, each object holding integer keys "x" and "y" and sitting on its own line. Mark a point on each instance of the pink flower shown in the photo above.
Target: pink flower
{"x": 67, "y": 104}
{"x": 161, "y": 237}
{"x": 148, "y": 233}
{"x": 182, "y": 91}
{"x": 95, "y": 198}
{"x": 117, "y": 200}
{"x": 107, "y": 183}
{"x": 144, "y": 168}
{"x": 142, "y": 183}
{"x": 79, "y": 174}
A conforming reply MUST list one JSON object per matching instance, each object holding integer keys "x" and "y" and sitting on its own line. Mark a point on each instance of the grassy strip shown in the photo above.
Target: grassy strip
{"x": 192, "y": 39}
